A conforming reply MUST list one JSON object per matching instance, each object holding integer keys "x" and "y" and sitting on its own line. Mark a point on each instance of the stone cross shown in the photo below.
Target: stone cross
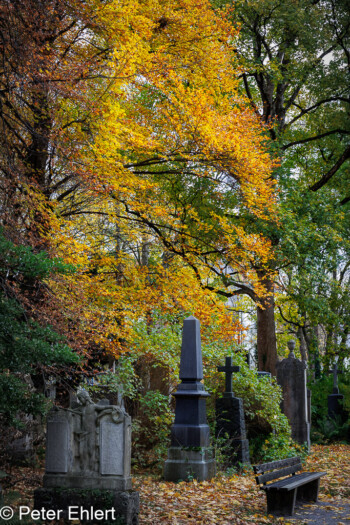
{"x": 229, "y": 369}
{"x": 335, "y": 371}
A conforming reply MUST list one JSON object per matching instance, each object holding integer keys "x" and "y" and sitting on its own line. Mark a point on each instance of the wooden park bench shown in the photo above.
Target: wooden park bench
{"x": 282, "y": 495}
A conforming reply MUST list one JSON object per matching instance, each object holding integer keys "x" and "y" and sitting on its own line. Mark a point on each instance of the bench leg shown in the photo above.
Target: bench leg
{"x": 281, "y": 503}
{"x": 309, "y": 492}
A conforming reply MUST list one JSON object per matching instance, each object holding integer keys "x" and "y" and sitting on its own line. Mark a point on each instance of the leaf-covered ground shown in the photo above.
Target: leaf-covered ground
{"x": 237, "y": 499}
{"x": 225, "y": 500}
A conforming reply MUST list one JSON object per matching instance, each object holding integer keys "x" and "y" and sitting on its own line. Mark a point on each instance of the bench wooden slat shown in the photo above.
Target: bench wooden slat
{"x": 295, "y": 481}
{"x": 278, "y": 473}
{"x": 272, "y": 465}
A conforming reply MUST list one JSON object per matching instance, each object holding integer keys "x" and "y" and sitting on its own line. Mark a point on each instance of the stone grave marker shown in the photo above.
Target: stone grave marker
{"x": 190, "y": 455}
{"x": 88, "y": 457}
{"x": 335, "y": 407}
{"x": 291, "y": 376}
{"x": 230, "y": 419}
{"x": 50, "y": 387}
{"x": 266, "y": 375}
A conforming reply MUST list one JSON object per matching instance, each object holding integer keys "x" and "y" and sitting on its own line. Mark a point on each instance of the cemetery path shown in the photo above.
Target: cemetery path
{"x": 322, "y": 513}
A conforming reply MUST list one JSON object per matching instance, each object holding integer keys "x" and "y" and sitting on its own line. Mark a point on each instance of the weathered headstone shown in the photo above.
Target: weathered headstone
{"x": 50, "y": 388}
{"x": 291, "y": 376}
{"x": 190, "y": 455}
{"x": 335, "y": 406}
{"x": 230, "y": 421}
{"x": 266, "y": 375}
{"x": 88, "y": 457}
{"x": 21, "y": 448}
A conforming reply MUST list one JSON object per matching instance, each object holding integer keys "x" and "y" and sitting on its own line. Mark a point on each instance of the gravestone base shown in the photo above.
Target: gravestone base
{"x": 184, "y": 464}
{"x": 230, "y": 425}
{"x": 87, "y": 481}
{"x": 126, "y": 504}
{"x": 302, "y": 435}
{"x": 239, "y": 452}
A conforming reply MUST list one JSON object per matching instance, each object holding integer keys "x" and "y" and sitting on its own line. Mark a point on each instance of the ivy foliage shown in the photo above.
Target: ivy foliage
{"x": 26, "y": 345}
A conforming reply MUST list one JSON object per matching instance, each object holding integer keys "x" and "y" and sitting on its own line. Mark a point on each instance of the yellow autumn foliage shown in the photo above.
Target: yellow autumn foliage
{"x": 168, "y": 161}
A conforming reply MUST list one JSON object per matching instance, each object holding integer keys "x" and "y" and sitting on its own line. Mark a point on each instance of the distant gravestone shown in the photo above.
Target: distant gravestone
{"x": 335, "y": 406}
{"x": 88, "y": 456}
{"x": 21, "y": 447}
{"x": 230, "y": 421}
{"x": 50, "y": 388}
{"x": 291, "y": 376}
{"x": 190, "y": 455}
{"x": 265, "y": 375}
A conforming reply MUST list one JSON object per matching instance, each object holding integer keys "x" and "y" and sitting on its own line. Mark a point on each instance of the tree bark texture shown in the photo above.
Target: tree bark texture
{"x": 266, "y": 331}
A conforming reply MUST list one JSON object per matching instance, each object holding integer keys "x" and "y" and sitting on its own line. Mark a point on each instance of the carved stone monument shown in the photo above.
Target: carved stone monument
{"x": 335, "y": 407}
{"x": 190, "y": 455}
{"x": 88, "y": 451}
{"x": 230, "y": 421}
{"x": 291, "y": 376}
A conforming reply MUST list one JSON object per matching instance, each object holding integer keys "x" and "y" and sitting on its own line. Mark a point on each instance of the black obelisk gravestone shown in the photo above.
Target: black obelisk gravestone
{"x": 335, "y": 407}
{"x": 189, "y": 456}
{"x": 230, "y": 423}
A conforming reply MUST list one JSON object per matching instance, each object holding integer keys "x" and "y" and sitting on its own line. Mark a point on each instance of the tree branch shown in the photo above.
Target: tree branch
{"x": 323, "y": 180}
{"x": 315, "y": 137}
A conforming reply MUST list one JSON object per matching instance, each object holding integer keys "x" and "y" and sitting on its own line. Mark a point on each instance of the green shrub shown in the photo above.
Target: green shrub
{"x": 329, "y": 430}
{"x": 275, "y": 447}
{"x": 261, "y": 402}
{"x": 323, "y": 428}
{"x": 151, "y": 429}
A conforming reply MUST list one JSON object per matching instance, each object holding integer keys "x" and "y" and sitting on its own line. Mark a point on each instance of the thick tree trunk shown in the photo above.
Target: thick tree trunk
{"x": 266, "y": 331}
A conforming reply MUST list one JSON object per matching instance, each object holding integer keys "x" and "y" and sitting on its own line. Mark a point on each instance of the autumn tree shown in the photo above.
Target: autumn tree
{"x": 296, "y": 75}
{"x": 175, "y": 155}
{"x": 123, "y": 127}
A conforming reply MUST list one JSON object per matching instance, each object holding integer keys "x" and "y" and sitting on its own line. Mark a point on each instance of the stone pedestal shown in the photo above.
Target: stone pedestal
{"x": 118, "y": 507}
{"x": 190, "y": 428}
{"x": 230, "y": 424}
{"x": 189, "y": 456}
{"x": 185, "y": 464}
